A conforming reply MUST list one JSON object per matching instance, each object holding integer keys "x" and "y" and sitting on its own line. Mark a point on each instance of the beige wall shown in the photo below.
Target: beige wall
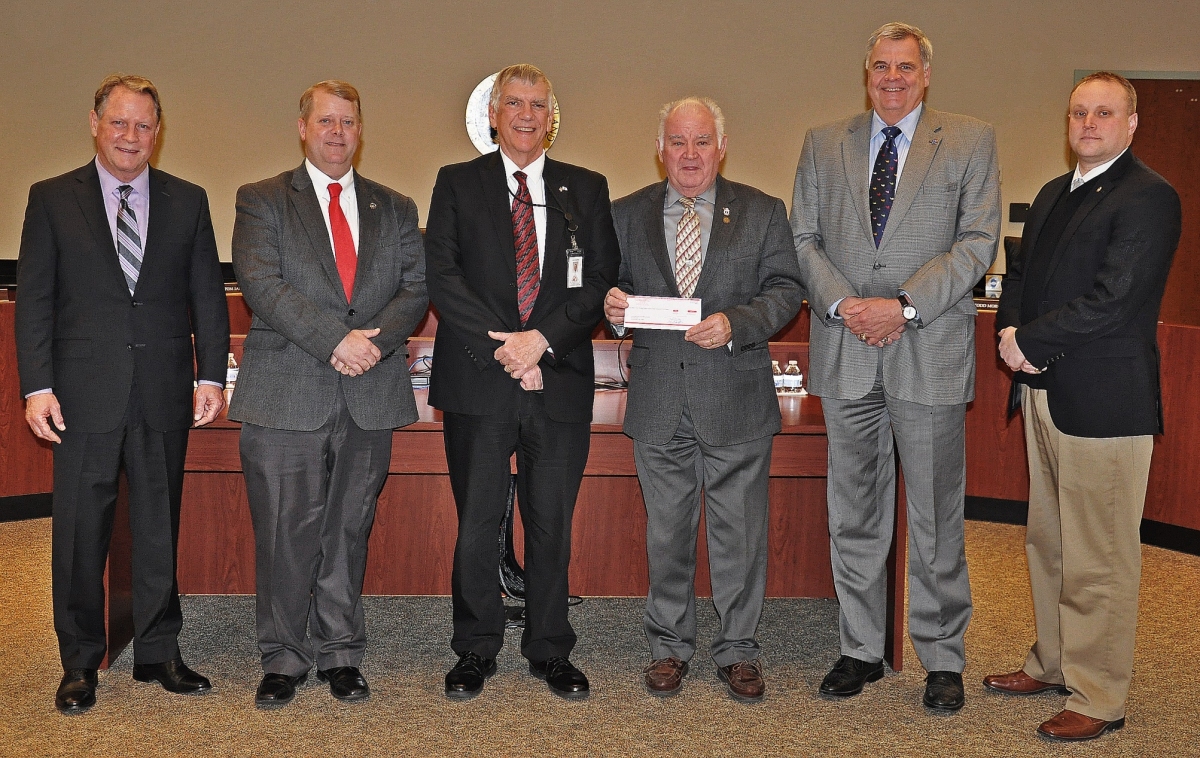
{"x": 231, "y": 71}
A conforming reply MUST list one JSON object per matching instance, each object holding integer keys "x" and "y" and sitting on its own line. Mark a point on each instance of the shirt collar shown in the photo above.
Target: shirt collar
{"x": 908, "y": 124}
{"x": 709, "y": 195}
{"x": 109, "y": 183}
{"x": 1079, "y": 179}
{"x": 533, "y": 172}
{"x": 321, "y": 180}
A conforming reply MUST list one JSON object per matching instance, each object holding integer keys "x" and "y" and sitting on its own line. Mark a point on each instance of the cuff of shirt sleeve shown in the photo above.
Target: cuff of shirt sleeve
{"x": 46, "y": 391}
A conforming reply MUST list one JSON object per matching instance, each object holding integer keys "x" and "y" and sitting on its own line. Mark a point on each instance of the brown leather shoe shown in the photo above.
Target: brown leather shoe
{"x": 744, "y": 680}
{"x": 665, "y": 676}
{"x": 1070, "y": 726}
{"x": 1020, "y": 683}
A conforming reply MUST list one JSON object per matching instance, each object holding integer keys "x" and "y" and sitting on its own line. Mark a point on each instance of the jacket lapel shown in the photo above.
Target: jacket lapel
{"x": 926, "y": 140}
{"x": 159, "y": 205}
{"x": 856, "y": 146}
{"x": 495, "y": 190}
{"x": 368, "y": 230}
{"x": 91, "y": 205}
{"x": 655, "y": 236}
{"x": 554, "y": 258}
{"x": 1034, "y": 224}
{"x": 308, "y": 208}
{"x": 1107, "y": 181}
{"x": 720, "y": 236}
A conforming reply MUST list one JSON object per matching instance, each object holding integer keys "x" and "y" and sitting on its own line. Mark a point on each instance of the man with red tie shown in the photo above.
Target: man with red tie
{"x": 520, "y": 251}
{"x": 331, "y": 265}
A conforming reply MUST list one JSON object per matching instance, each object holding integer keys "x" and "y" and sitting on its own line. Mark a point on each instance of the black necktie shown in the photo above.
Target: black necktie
{"x": 883, "y": 182}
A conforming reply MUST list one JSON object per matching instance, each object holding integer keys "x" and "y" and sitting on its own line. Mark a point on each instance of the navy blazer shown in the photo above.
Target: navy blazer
{"x": 1091, "y": 322}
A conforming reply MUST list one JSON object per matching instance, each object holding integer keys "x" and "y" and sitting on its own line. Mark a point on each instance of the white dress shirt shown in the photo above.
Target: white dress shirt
{"x": 348, "y": 201}
{"x": 1079, "y": 179}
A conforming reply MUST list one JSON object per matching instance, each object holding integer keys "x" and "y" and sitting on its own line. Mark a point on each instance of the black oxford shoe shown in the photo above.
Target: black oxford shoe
{"x": 466, "y": 679}
{"x": 277, "y": 690}
{"x": 345, "y": 683}
{"x": 944, "y": 691}
{"x": 174, "y": 676}
{"x": 849, "y": 675}
{"x": 562, "y": 677}
{"x": 76, "y": 692}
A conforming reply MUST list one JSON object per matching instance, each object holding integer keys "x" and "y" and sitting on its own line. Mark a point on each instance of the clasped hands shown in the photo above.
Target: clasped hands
{"x": 713, "y": 332}
{"x": 1011, "y": 354}
{"x": 519, "y": 355}
{"x": 356, "y": 353}
{"x": 877, "y": 321}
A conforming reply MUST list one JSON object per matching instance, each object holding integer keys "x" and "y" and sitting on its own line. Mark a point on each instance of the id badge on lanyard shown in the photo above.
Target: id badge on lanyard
{"x": 574, "y": 265}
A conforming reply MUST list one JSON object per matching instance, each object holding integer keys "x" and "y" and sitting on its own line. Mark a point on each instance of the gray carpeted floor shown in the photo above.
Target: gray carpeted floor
{"x": 516, "y": 715}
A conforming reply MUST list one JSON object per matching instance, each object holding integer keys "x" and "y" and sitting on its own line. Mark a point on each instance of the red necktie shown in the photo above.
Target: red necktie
{"x": 526, "y": 244}
{"x": 343, "y": 241}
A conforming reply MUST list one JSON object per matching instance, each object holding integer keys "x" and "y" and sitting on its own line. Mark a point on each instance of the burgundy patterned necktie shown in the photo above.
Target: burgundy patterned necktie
{"x": 526, "y": 244}
{"x": 883, "y": 182}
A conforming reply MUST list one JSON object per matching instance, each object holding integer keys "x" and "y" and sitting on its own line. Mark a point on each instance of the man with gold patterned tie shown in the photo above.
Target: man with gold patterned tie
{"x": 698, "y": 235}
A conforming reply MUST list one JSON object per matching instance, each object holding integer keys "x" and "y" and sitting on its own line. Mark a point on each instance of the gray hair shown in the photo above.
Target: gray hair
{"x": 520, "y": 72}
{"x": 703, "y": 102}
{"x": 898, "y": 31}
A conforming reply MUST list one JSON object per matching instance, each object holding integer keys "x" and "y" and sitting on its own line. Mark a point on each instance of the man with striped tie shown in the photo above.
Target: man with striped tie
{"x": 702, "y": 408}
{"x": 520, "y": 250}
{"x": 119, "y": 288}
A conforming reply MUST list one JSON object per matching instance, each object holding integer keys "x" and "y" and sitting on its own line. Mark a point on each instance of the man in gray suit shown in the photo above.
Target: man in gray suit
{"x": 333, "y": 267}
{"x": 702, "y": 406}
{"x": 896, "y": 215}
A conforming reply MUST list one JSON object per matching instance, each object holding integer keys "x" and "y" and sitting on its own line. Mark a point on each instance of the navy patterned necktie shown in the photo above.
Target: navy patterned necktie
{"x": 526, "y": 244}
{"x": 129, "y": 242}
{"x": 883, "y": 182}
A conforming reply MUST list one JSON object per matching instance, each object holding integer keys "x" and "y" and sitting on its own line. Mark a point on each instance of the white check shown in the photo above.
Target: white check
{"x": 679, "y": 313}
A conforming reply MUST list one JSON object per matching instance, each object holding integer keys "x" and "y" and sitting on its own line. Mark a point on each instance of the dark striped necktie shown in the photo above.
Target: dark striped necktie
{"x": 129, "y": 242}
{"x": 526, "y": 244}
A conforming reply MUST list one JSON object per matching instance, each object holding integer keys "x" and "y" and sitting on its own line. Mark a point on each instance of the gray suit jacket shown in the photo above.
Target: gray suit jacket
{"x": 750, "y": 275}
{"x": 940, "y": 238}
{"x": 286, "y": 268}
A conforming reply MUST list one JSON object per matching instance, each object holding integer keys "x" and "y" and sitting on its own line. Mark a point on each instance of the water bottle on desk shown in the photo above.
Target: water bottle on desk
{"x": 793, "y": 380}
{"x": 777, "y": 375}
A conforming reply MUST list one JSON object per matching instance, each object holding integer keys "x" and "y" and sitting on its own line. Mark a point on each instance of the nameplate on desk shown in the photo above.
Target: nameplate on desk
{"x": 679, "y": 313}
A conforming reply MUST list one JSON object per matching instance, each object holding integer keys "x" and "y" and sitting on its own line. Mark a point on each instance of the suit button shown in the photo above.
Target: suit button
{"x": 877, "y": 266}
{"x": 352, "y": 312}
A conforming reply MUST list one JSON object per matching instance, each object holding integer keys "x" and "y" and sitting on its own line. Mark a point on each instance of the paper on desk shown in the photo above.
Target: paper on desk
{"x": 679, "y": 313}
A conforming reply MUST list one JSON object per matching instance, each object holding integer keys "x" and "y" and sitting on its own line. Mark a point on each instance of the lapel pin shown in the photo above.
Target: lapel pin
{"x": 726, "y": 212}
{"x": 562, "y": 188}
{"x": 1098, "y": 189}
{"x": 372, "y": 206}
{"x": 934, "y": 141}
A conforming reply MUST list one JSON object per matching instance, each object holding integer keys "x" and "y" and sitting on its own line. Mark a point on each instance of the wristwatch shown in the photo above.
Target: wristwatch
{"x": 907, "y": 308}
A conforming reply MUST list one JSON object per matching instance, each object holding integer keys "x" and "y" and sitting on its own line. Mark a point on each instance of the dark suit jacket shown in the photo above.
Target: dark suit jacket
{"x": 288, "y": 274}
{"x": 78, "y": 329}
{"x": 1092, "y": 322}
{"x": 751, "y": 275}
{"x": 473, "y": 284}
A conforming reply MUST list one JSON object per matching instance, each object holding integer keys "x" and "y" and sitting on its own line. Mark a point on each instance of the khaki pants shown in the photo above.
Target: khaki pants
{"x": 1085, "y": 558}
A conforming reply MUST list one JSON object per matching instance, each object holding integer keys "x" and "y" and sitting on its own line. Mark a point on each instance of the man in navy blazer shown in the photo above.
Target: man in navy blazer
{"x": 1078, "y": 325}
{"x": 119, "y": 289}
{"x": 520, "y": 250}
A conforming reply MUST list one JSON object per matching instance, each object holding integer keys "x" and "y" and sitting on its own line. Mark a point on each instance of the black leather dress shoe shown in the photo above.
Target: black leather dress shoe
{"x": 563, "y": 678}
{"x": 944, "y": 691}
{"x": 849, "y": 675}
{"x": 466, "y": 679}
{"x": 76, "y": 692}
{"x": 277, "y": 690}
{"x": 345, "y": 683}
{"x": 174, "y": 676}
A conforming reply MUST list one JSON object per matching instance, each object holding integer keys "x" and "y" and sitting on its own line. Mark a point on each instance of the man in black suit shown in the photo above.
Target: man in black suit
{"x": 1078, "y": 323}
{"x": 118, "y": 274}
{"x": 520, "y": 250}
